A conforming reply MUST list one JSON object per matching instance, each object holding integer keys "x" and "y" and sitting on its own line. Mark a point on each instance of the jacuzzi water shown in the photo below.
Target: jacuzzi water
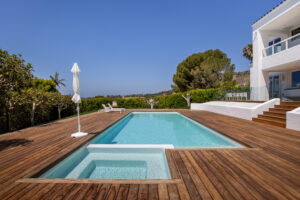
{"x": 113, "y": 163}
{"x": 133, "y": 148}
{"x": 163, "y": 128}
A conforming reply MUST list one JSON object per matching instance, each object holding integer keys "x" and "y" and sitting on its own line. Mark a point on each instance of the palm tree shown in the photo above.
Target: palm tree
{"x": 57, "y": 81}
{"x": 248, "y": 52}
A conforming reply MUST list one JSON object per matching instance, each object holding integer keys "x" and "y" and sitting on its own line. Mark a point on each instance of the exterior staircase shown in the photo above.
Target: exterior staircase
{"x": 277, "y": 116}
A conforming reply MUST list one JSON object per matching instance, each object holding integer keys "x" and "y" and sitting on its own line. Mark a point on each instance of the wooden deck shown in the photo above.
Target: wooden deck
{"x": 268, "y": 169}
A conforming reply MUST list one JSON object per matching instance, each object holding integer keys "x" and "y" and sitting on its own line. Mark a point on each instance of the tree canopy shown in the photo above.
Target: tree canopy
{"x": 210, "y": 69}
{"x": 44, "y": 84}
{"x": 24, "y": 99}
{"x": 14, "y": 76}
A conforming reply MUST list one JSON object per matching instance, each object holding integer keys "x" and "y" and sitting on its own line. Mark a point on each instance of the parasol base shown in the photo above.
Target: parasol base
{"x": 79, "y": 134}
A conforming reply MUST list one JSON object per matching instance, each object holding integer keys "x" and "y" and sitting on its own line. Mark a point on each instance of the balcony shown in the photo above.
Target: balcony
{"x": 282, "y": 46}
{"x": 281, "y": 56}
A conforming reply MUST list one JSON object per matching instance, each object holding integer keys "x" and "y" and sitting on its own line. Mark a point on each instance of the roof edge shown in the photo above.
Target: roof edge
{"x": 274, "y": 8}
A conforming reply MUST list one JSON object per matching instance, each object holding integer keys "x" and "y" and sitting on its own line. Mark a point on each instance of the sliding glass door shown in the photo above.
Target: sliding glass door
{"x": 274, "y": 87}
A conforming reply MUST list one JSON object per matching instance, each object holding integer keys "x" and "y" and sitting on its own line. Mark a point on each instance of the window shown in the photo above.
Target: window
{"x": 276, "y": 47}
{"x": 294, "y": 39}
{"x": 296, "y": 79}
{"x": 295, "y": 31}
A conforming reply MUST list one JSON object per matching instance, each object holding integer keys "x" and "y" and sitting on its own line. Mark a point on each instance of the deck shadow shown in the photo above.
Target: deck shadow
{"x": 13, "y": 142}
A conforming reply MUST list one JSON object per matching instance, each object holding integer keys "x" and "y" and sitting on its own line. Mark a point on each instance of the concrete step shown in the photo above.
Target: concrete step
{"x": 270, "y": 122}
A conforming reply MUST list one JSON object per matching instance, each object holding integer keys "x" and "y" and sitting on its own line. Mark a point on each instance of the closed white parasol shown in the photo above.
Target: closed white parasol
{"x": 76, "y": 97}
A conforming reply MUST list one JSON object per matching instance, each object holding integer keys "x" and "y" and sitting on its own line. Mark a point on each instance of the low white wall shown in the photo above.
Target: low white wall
{"x": 243, "y": 112}
{"x": 293, "y": 119}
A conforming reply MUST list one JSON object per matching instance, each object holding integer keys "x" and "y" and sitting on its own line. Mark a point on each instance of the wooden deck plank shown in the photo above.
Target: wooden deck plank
{"x": 103, "y": 191}
{"x": 193, "y": 192}
{"x": 249, "y": 181}
{"x": 173, "y": 192}
{"x": 258, "y": 176}
{"x": 208, "y": 184}
{"x": 234, "y": 181}
{"x": 153, "y": 192}
{"x": 163, "y": 192}
{"x": 93, "y": 191}
{"x": 252, "y": 193}
{"x": 172, "y": 165}
{"x": 133, "y": 191}
{"x": 220, "y": 177}
{"x": 113, "y": 191}
{"x": 269, "y": 170}
{"x": 217, "y": 184}
{"x": 143, "y": 192}
{"x": 271, "y": 179}
{"x": 204, "y": 194}
{"x": 123, "y": 192}
{"x": 28, "y": 194}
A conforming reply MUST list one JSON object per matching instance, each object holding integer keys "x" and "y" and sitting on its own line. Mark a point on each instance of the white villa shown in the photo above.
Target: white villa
{"x": 275, "y": 71}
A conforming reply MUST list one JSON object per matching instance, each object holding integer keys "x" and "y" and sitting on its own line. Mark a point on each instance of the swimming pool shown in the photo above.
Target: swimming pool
{"x": 134, "y": 148}
{"x": 163, "y": 128}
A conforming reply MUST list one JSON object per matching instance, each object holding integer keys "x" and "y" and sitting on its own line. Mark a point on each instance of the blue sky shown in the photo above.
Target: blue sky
{"x": 124, "y": 47}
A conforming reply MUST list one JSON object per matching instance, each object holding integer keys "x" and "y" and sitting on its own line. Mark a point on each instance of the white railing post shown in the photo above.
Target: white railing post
{"x": 286, "y": 44}
{"x": 273, "y": 49}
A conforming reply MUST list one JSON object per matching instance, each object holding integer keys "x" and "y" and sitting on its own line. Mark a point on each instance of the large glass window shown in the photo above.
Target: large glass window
{"x": 296, "y": 79}
{"x": 277, "y": 47}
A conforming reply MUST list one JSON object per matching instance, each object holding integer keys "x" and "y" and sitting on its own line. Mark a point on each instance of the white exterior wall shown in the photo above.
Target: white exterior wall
{"x": 293, "y": 119}
{"x": 258, "y": 78}
{"x": 236, "y": 109}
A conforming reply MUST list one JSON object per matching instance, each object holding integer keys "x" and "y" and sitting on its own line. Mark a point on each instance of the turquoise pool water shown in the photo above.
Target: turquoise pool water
{"x": 163, "y": 128}
{"x": 112, "y": 163}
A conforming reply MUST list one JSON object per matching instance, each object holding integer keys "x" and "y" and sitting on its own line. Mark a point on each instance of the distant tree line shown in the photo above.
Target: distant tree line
{"x": 147, "y": 95}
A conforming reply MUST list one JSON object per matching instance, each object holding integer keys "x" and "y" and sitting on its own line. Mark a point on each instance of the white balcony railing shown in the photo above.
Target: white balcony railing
{"x": 283, "y": 45}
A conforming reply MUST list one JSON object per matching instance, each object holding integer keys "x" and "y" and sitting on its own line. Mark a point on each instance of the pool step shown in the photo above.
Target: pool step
{"x": 277, "y": 116}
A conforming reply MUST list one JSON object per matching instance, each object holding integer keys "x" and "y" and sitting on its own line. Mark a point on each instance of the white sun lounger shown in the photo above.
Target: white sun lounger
{"x": 116, "y": 109}
{"x": 106, "y": 109}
